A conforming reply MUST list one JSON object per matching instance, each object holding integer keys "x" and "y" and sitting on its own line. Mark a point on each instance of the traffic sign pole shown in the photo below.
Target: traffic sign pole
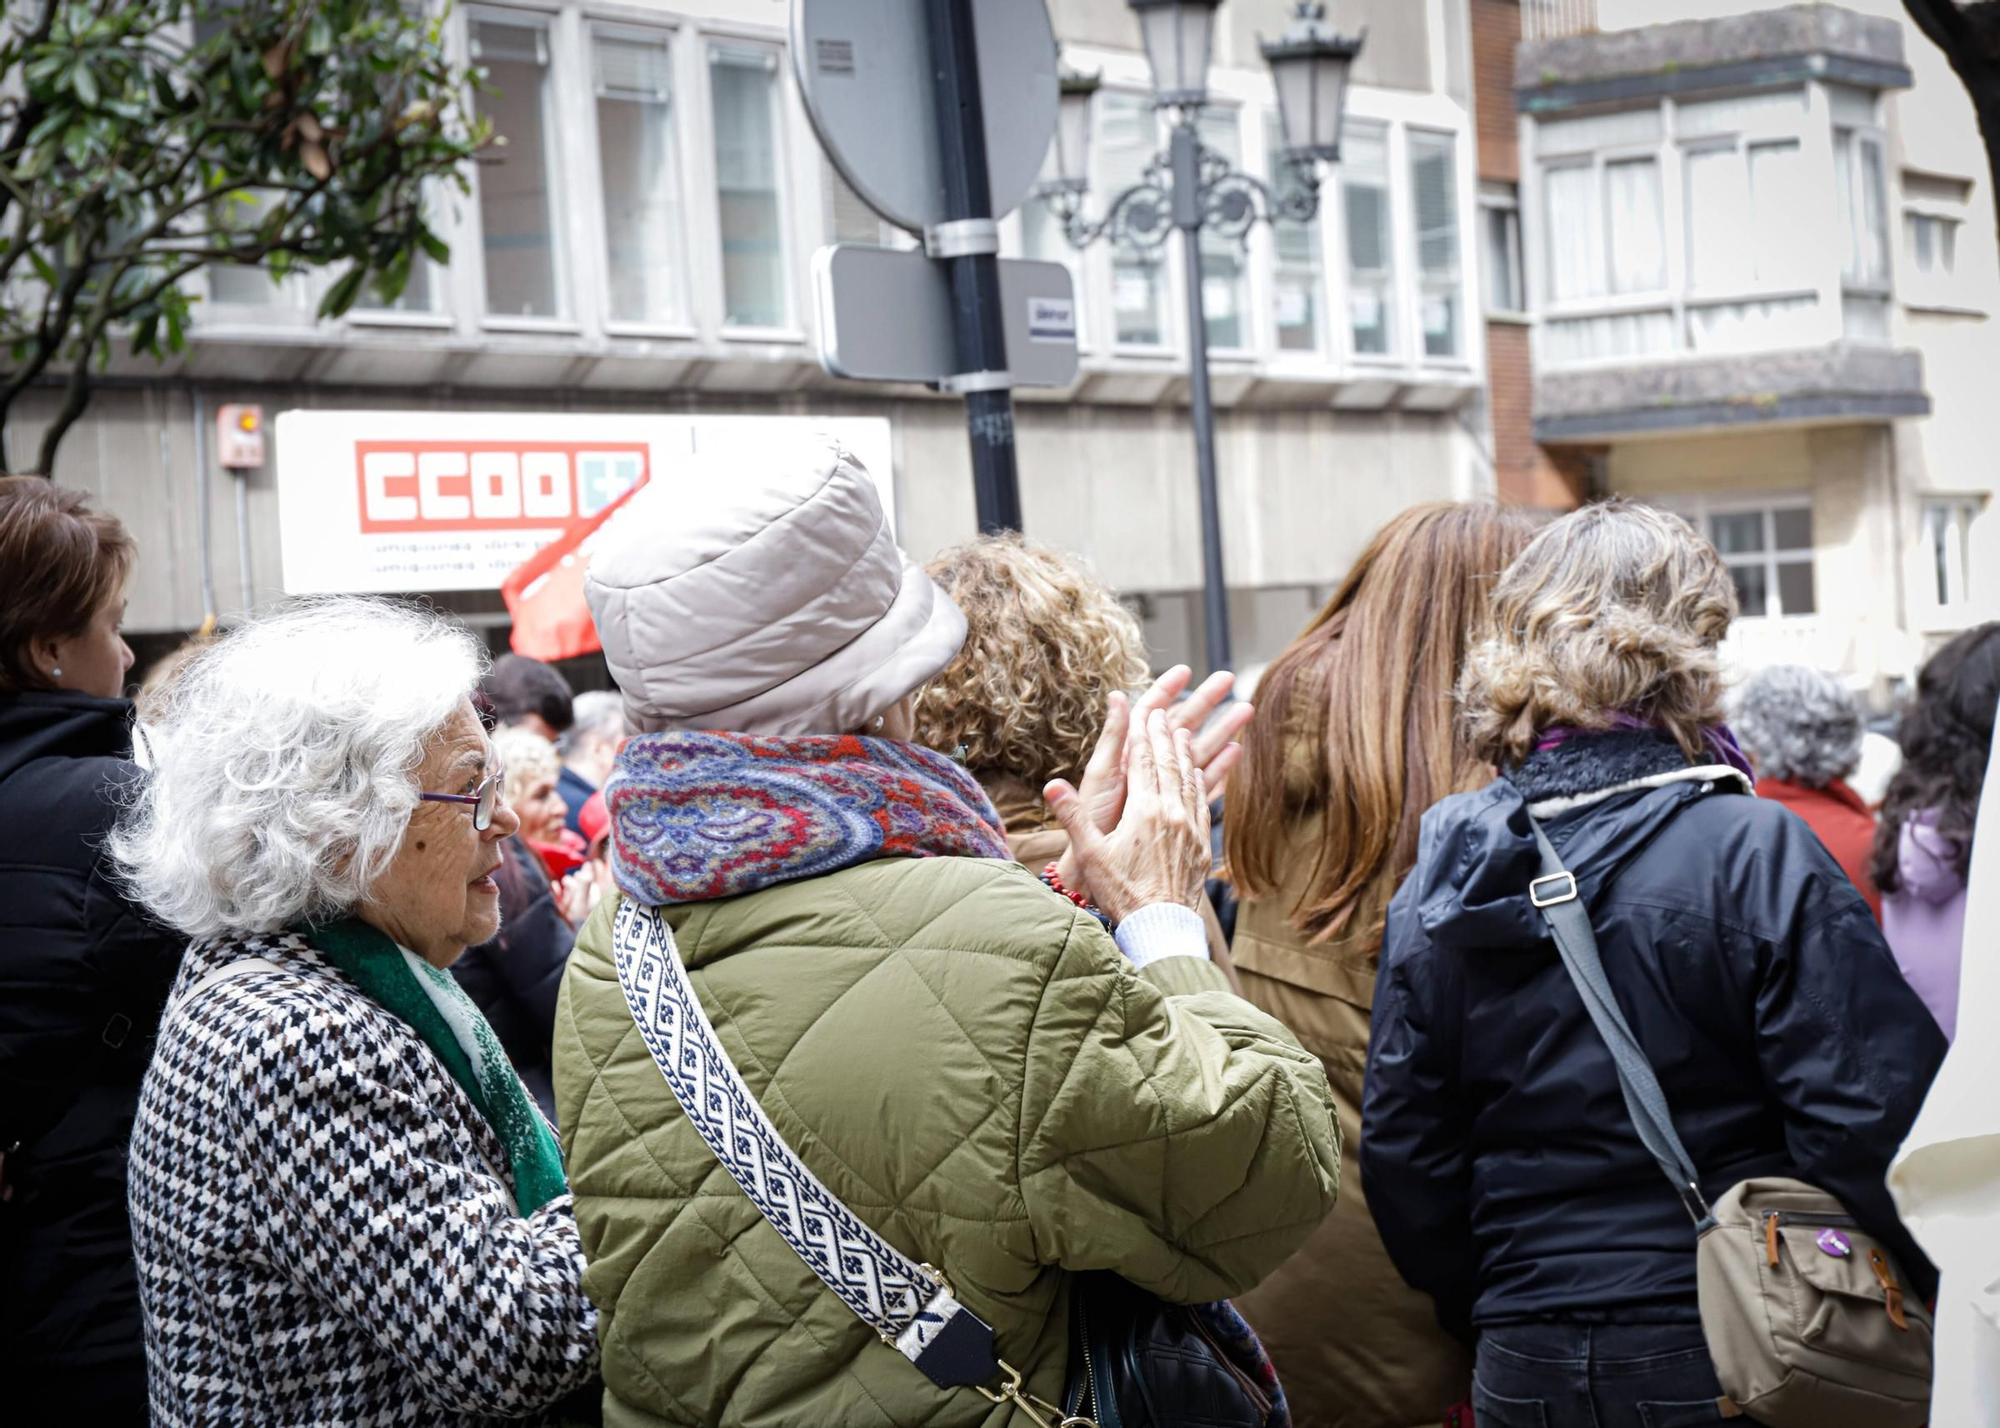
{"x": 968, "y": 243}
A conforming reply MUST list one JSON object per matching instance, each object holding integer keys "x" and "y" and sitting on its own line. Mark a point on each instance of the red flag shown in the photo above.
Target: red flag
{"x": 544, "y": 594}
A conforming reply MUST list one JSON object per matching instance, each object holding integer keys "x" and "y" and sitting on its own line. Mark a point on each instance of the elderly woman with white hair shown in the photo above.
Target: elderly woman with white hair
{"x": 345, "y": 1207}
{"x": 1802, "y": 730}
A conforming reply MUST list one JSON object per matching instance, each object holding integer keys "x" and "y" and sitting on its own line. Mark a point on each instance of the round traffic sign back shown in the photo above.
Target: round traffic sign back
{"x": 865, "y": 72}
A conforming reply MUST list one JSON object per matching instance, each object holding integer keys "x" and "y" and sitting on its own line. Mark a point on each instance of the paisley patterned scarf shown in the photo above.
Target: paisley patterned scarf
{"x": 702, "y": 816}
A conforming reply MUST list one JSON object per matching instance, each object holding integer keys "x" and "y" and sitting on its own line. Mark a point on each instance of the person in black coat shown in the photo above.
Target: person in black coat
{"x": 514, "y": 976}
{"x": 83, "y": 973}
{"x": 1504, "y": 1171}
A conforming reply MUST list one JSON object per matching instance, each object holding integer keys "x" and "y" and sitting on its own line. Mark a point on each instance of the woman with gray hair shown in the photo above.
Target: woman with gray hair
{"x": 1802, "y": 730}
{"x": 345, "y": 1207}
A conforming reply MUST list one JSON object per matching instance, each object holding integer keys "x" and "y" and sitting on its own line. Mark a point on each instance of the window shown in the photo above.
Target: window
{"x": 1932, "y": 241}
{"x": 251, "y": 285}
{"x": 1434, "y": 190}
{"x": 1295, "y": 276}
{"x": 516, "y": 213}
{"x": 1635, "y": 226}
{"x": 645, "y": 253}
{"x": 1741, "y": 204}
{"x": 1864, "y": 200}
{"x": 1371, "y": 274}
{"x": 1948, "y": 529}
{"x": 1768, "y": 551}
{"x": 1500, "y": 244}
{"x": 1128, "y": 140}
{"x": 1225, "y": 288}
{"x": 744, "y": 93}
{"x": 1607, "y": 228}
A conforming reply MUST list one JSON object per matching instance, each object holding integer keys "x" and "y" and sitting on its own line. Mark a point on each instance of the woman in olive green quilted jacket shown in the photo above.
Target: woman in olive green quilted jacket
{"x": 963, "y": 1055}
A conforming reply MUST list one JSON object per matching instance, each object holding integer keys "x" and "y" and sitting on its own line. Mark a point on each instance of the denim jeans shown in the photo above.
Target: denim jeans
{"x": 1576, "y": 1375}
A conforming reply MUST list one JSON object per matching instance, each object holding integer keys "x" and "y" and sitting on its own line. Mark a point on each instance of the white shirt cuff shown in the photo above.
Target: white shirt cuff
{"x": 1162, "y": 929}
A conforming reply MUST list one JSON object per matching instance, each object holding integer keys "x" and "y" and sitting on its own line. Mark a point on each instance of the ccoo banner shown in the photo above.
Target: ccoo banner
{"x": 382, "y": 502}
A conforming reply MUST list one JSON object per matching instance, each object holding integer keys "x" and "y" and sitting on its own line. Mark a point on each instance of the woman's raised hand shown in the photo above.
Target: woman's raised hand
{"x": 1159, "y": 850}
{"x": 1215, "y": 750}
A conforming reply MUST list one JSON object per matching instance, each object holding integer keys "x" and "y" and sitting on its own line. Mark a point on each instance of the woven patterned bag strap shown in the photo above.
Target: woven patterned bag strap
{"x": 907, "y": 1303}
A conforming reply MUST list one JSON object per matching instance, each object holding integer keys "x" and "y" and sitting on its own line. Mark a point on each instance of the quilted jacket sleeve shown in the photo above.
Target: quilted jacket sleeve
{"x": 1170, "y": 1131}
{"x": 363, "y": 1200}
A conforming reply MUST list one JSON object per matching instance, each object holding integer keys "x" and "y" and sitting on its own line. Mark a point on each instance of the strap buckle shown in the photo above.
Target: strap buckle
{"x": 1692, "y": 1202}
{"x": 1043, "y": 1415}
{"x": 1564, "y": 885}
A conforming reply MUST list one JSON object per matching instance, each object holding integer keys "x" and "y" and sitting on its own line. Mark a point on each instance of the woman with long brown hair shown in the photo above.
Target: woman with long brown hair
{"x": 1357, "y": 740}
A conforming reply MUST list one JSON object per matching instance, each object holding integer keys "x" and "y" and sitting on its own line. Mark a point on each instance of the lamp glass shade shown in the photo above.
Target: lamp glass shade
{"x": 1069, "y": 163}
{"x": 1177, "y": 35}
{"x": 1310, "y": 69}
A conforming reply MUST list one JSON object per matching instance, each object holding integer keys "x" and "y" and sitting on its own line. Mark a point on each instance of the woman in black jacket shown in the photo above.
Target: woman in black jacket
{"x": 83, "y": 973}
{"x": 1504, "y": 1172}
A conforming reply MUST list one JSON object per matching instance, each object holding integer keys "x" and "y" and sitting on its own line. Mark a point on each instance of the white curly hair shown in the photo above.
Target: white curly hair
{"x": 284, "y": 764}
{"x": 1801, "y": 725}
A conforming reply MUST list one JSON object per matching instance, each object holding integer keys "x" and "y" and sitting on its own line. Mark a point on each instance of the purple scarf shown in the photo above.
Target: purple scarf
{"x": 1719, "y": 739}
{"x": 702, "y": 816}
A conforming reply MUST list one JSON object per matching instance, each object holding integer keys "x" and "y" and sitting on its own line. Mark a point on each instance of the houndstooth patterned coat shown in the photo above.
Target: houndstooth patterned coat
{"x": 324, "y": 1224}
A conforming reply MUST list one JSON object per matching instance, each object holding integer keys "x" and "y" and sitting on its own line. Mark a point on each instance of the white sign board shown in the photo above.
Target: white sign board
{"x": 385, "y": 502}
{"x": 885, "y": 315}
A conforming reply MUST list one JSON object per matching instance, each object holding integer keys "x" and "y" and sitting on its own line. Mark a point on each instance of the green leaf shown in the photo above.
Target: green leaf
{"x": 146, "y": 335}
{"x": 84, "y": 83}
{"x": 340, "y": 297}
{"x": 439, "y": 250}
{"x": 175, "y": 313}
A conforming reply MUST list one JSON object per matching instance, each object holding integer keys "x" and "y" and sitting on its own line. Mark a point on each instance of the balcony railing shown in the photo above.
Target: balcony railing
{"x": 1553, "y": 19}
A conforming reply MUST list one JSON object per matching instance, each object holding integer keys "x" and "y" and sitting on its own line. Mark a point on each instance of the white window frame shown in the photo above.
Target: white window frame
{"x": 785, "y": 135}
{"x": 1502, "y": 200}
{"x": 1696, "y": 508}
{"x": 1956, "y": 600}
{"x": 561, "y": 253}
{"x": 1397, "y": 304}
{"x": 1247, "y": 349}
{"x": 1264, "y": 260}
{"x": 676, "y": 38}
{"x": 1104, "y": 271}
{"x": 1872, "y": 136}
{"x": 1402, "y": 151}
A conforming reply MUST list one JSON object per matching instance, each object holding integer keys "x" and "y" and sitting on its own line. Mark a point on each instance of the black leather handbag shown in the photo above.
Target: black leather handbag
{"x": 1136, "y": 1361}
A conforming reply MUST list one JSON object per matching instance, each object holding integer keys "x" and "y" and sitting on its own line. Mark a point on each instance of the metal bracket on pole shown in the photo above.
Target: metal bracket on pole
{"x": 966, "y": 382}
{"x": 962, "y": 238}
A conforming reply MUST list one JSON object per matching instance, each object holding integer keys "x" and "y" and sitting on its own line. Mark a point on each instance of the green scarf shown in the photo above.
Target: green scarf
{"x": 438, "y": 1010}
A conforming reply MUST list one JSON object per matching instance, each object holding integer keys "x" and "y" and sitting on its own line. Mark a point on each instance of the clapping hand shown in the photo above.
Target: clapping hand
{"x": 1158, "y": 852}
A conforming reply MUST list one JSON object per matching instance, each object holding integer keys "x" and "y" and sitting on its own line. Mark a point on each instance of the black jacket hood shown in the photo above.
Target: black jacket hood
{"x": 58, "y": 724}
{"x": 1476, "y": 853}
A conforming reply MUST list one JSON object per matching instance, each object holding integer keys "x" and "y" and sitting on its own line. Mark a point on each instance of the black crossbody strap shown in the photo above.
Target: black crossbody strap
{"x": 1555, "y": 893}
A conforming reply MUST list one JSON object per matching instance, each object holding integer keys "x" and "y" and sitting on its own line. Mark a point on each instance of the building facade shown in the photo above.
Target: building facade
{"x": 1761, "y": 264}
{"x": 642, "y": 246}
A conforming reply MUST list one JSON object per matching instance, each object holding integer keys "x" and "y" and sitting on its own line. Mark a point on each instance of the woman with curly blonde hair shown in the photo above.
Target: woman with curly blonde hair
{"x": 1498, "y": 1156}
{"x": 1048, "y": 649}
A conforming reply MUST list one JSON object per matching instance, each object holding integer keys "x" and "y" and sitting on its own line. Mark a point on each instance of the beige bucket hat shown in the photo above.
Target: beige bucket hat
{"x": 766, "y": 601}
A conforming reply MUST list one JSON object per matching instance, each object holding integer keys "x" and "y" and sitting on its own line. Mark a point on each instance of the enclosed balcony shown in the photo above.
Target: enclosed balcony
{"x": 1707, "y": 210}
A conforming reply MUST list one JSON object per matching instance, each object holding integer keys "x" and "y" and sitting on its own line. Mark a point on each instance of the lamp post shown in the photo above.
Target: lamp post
{"x": 1190, "y": 188}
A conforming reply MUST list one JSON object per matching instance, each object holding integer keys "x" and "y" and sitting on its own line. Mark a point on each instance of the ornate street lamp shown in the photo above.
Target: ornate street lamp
{"x": 1192, "y": 188}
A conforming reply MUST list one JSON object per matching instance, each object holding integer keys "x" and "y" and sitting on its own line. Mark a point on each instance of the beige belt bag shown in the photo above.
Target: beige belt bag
{"x": 1805, "y": 1313}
